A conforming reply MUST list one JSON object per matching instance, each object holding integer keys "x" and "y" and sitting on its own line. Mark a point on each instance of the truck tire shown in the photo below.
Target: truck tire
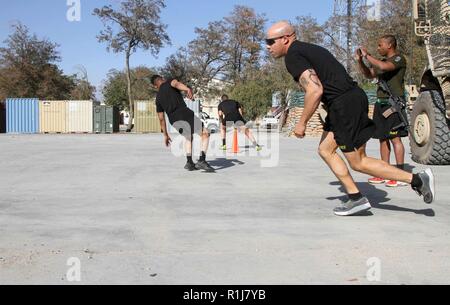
{"x": 430, "y": 133}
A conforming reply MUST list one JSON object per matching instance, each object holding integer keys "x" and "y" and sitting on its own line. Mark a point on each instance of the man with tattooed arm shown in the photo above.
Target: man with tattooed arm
{"x": 347, "y": 125}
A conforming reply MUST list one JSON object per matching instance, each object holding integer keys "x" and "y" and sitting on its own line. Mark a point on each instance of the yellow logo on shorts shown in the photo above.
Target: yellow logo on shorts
{"x": 343, "y": 147}
{"x": 393, "y": 133}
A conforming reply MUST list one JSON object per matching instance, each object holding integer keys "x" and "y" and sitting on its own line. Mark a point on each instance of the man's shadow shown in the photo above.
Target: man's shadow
{"x": 377, "y": 197}
{"x": 248, "y": 147}
{"x": 223, "y": 163}
{"x": 409, "y": 168}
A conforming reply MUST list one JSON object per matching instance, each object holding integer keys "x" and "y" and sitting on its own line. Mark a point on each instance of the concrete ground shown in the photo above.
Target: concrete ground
{"x": 124, "y": 206}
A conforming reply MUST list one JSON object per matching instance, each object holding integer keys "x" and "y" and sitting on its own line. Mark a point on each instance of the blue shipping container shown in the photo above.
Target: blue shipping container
{"x": 22, "y": 115}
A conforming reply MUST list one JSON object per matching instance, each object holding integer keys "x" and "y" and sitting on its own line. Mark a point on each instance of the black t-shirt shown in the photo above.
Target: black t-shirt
{"x": 335, "y": 80}
{"x": 169, "y": 99}
{"x": 229, "y": 107}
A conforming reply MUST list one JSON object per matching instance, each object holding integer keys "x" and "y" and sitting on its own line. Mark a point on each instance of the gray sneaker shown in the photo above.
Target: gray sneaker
{"x": 351, "y": 207}
{"x": 190, "y": 167}
{"x": 427, "y": 188}
{"x": 203, "y": 165}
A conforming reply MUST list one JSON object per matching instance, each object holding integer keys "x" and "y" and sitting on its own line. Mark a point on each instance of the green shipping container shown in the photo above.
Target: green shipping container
{"x": 145, "y": 117}
{"x": 106, "y": 119}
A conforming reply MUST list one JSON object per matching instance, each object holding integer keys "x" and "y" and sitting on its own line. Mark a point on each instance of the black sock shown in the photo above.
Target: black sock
{"x": 401, "y": 166}
{"x": 189, "y": 159}
{"x": 416, "y": 181}
{"x": 355, "y": 197}
{"x": 224, "y": 142}
{"x": 202, "y": 156}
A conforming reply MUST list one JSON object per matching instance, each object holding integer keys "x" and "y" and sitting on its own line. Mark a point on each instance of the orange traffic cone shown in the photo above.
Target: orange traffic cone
{"x": 235, "y": 142}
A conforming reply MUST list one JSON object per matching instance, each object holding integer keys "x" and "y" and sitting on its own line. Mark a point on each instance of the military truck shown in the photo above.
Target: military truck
{"x": 430, "y": 132}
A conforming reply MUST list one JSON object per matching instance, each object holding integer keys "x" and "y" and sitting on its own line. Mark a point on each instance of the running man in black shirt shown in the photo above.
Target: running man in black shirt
{"x": 231, "y": 111}
{"x": 347, "y": 126}
{"x": 392, "y": 69}
{"x": 170, "y": 101}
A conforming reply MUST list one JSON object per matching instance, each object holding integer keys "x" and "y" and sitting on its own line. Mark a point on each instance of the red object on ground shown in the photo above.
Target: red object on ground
{"x": 235, "y": 142}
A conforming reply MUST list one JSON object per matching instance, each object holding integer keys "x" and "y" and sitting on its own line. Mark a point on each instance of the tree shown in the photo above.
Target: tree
{"x": 255, "y": 96}
{"x": 115, "y": 87}
{"x": 228, "y": 49}
{"x": 83, "y": 89}
{"x": 28, "y": 68}
{"x": 114, "y": 90}
{"x": 203, "y": 60}
{"x": 139, "y": 26}
{"x": 244, "y": 33}
{"x": 208, "y": 55}
{"x": 257, "y": 91}
{"x": 179, "y": 66}
{"x": 309, "y": 30}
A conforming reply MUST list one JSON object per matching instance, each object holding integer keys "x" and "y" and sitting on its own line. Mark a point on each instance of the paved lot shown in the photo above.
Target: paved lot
{"x": 124, "y": 206}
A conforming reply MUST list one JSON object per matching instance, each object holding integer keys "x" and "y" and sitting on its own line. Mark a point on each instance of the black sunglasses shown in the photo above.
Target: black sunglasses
{"x": 271, "y": 41}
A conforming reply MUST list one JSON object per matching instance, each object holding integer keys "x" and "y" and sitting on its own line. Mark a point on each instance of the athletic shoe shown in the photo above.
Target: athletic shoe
{"x": 376, "y": 180}
{"x": 223, "y": 147}
{"x": 352, "y": 207}
{"x": 203, "y": 165}
{"x": 190, "y": 166}
{"x": 258, "y": 148}
{"x": 427, "y": 188}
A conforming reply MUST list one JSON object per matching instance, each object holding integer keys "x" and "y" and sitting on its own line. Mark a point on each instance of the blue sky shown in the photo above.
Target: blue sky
{"x": 77, "y": 40}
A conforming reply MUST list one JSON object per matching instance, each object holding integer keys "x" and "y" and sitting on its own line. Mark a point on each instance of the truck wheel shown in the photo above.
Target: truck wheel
{"x": 430, "y": 133}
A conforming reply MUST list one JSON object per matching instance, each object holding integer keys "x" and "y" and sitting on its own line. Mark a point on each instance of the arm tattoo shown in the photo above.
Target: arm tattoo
{"x": 313, "y": 77}
{"x": 304, "y": 82}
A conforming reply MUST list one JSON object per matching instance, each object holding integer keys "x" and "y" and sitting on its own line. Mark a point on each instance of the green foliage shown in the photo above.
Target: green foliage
{"x": 28, "y": 68}
{"x": 115, "y": 87}
{"x": 255, "y": 96}
{"x": 82, "y": 91}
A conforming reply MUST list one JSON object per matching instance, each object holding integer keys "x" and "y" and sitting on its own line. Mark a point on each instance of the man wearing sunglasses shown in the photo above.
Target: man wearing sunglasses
{"x": 347, "y": 125}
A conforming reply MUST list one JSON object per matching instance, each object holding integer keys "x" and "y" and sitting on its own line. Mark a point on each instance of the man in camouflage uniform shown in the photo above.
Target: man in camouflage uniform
{"x": 392, "y": 69}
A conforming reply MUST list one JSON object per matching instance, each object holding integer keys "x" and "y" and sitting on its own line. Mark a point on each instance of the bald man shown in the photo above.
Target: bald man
{"x": 347, "y": 125}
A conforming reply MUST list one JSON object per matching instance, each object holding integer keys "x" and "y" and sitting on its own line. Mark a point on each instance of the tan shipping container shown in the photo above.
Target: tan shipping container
{"x": 79, "y": 116}
{"x": 146, "y": 118}
{"x": 52, "y": 116}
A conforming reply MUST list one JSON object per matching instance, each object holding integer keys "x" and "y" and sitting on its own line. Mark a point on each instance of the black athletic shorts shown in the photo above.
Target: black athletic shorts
{"x": 385, "y": 126}
{"x": 235, "y": 118}
{"x": 186, "y": 122}
{"x": 349, "y": 121}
